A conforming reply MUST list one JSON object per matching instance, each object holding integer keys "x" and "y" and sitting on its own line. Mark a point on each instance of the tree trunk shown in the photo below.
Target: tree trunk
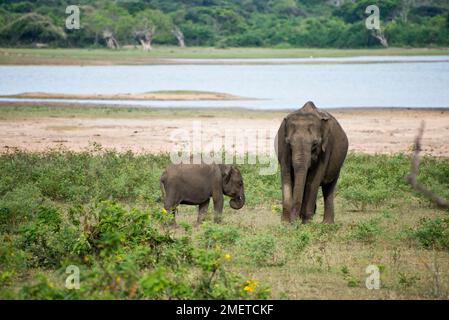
{"x": 145, "y": 37}
{"x": 180, "y": 36}
{"x": 111, "y": 42}
{"x": 381, "y": 37}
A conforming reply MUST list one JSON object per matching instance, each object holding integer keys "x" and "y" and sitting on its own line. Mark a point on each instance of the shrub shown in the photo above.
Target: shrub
{"x": 215, "y": 234}
{"x": 47, "y": 238}
{"x": 129, "y": 254}
{"x": 18, "y": 206}
{"x": 259, "y": 249}
{"x": 433, "y": 233}
{"x": 367, "y": 231}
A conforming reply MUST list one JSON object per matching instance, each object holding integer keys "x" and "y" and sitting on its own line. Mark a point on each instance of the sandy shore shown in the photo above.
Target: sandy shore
{"x": 157, "y": 96}
{"x": 369, "y": 130}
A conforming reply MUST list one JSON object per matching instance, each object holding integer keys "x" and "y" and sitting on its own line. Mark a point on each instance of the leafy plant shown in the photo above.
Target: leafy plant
{"x": 259, "y": 249}
{"x": 433, "y": 233}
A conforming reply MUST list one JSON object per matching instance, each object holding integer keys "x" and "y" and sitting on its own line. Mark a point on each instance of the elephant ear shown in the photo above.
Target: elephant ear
{"x": 226, "y": 173}
{"x": 281, "y": 136}
{"x": 325, "y": 124}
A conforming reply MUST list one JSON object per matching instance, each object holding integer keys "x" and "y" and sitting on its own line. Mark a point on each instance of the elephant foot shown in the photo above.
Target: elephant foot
{"x": 307, "y": 218}
{"x": 328, "y": 221}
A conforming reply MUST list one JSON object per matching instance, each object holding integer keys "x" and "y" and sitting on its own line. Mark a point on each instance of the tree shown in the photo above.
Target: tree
{"x": 31, "y": 28}
{"x": 111, "y": 42}
{"x": 111, "y": 23}
{"x": 147, "y": 23}
{"x": 145, "y": 37}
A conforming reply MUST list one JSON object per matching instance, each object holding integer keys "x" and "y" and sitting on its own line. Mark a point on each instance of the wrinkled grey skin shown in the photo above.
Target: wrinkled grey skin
{"x": 311, "y": 147}
{"x": 195, "y": 184}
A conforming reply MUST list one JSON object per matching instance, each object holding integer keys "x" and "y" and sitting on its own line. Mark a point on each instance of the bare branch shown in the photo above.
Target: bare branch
{"x": 412, "y": 177}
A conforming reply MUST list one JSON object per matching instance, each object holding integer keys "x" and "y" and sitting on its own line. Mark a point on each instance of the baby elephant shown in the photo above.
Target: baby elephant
{"x": 195, "y": 184}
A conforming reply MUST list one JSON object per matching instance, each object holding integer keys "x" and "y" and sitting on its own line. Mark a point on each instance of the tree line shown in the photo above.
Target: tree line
{"x": 225, "y": 23}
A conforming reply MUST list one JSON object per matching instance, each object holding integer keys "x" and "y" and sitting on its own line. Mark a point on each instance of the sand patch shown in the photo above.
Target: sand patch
{"x": 369, "y": 131}
{"x": 156, "y": 96}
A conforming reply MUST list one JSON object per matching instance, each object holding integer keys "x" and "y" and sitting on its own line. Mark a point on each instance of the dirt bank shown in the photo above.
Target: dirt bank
{"x": 369, "y": 130}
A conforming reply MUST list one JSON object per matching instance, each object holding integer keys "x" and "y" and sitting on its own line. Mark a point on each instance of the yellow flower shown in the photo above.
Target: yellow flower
{"x": 227, "y": 257}
{"x": 118, "y": 279}
{"x": 276, "y": 209}
{"x": 164, "y": 211}
{"x": 250, "y": 285}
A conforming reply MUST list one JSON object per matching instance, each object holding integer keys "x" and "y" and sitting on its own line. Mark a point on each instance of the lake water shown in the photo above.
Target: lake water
{"x": 357, "y": 82}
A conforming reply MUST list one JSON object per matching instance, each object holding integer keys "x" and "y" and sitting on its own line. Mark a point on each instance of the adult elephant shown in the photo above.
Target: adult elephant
{"x": 311, "y": 147}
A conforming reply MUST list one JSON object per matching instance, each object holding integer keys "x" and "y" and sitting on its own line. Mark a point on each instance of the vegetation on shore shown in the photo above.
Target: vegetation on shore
{"x": 23, "y": 110}
{"x": 29, "y": 56}
{"x": 100, "y": 211}
{"x": 226, "y": 23}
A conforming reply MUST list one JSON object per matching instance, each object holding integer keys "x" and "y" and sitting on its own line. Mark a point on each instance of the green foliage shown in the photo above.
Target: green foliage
{"x": 433, "y": 234}
{"x": 367, "y": 231}
{"x": 259, "y": 249}
{"x": 122, "y": 253}
{"x": 351, "y": 280}
{"x": 296, "y": 240}
{"x": 213, "y": 235}
{"x": 31, "y": 27}
{"x": 375, "y": 180}
{"x": 18, "y": 204}
{"x": 99, "y": 210}
{"x": 407, "y": 281}
{"x": 227, "y": 23}
{"x": 44, "y": 289}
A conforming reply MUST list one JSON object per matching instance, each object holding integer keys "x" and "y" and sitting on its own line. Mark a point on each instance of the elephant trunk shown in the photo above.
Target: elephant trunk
{"x": 237, "y": 202}
{"x": 301, "y": 165}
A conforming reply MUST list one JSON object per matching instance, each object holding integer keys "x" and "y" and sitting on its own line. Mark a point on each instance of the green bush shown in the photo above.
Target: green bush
{"x": 370, "y": 181}
{"x": 18, "y": 205}
{"x": 367, "y": 231}
{"x": 125, "y": 254}
{"x": 433, "y": 234}
{"x": 213, "y": 235}
{"x": 259, "y": 249}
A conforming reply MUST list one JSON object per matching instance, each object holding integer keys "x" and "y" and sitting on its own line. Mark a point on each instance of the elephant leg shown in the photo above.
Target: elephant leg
{"x": 170, "y": 205}
{"x": 286, "y": 196}
{"x": 218, "y": 207}
{"x": 202, "y": 210}
{"x": 328, "y": 194}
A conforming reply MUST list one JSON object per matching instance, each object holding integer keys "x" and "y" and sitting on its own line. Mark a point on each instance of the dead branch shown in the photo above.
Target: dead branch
{"x": 412, "y": 177}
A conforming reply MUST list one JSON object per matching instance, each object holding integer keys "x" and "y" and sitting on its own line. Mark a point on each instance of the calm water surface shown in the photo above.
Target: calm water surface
{"x": 414, "y": 82}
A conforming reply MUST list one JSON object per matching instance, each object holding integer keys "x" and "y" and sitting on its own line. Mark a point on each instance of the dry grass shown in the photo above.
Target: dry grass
{"x": 407, "y": 271}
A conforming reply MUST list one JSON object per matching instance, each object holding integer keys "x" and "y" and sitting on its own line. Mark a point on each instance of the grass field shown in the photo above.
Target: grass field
{"x": 100, "y": 210}
{"x": 16, "y": 56}
{"x": 22, "y": 110}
